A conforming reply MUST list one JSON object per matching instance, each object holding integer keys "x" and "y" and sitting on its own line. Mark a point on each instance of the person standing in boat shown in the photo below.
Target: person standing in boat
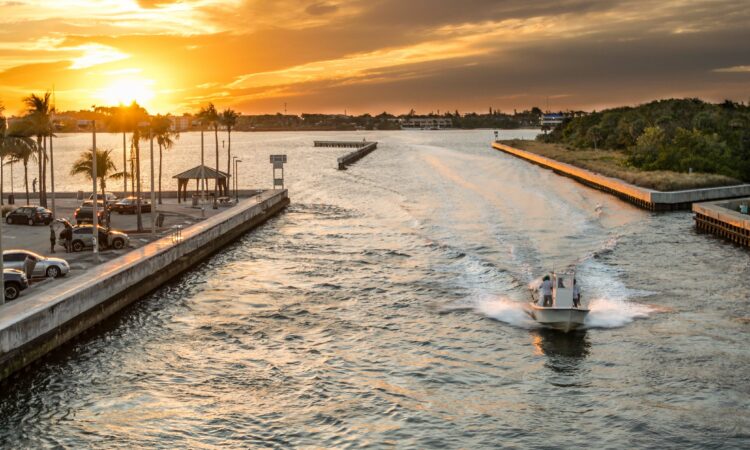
{"x": 576, "y": 294}
{"x": 547, "y": 291}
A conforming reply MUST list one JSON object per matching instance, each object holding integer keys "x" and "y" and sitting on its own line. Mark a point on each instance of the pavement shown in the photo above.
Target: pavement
{"x": 36, "y": 238}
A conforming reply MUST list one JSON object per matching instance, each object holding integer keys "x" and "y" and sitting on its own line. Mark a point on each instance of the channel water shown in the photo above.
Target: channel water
{"x": 385, "y": 307}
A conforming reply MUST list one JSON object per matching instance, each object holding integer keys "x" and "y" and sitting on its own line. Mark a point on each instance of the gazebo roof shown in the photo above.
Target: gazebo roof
{"x": 200, "y": 173}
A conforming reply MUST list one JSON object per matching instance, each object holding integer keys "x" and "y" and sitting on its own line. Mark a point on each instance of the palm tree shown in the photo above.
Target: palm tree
{"x": 120, "y": 119}
{"x": 229, "y": 120}
{"x": 39, "y": 112}
{"x": 210, "y": 116}
{"x": 161, "y": 127}
{"x": 19, "y": 146}
{"x": 105, "y": 167}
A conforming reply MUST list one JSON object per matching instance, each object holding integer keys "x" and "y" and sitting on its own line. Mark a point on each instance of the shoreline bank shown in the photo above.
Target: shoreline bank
{"x": 649, "y": 199}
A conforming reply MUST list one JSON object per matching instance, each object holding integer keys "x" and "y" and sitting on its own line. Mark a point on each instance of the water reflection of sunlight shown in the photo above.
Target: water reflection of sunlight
{"x": 566, "y": 348}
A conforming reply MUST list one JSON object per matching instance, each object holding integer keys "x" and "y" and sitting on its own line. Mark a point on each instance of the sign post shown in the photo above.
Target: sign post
{"x": 278, "y": 164}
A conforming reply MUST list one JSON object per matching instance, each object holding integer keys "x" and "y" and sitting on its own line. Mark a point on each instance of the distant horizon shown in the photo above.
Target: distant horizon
{"x": 440, "y": 112}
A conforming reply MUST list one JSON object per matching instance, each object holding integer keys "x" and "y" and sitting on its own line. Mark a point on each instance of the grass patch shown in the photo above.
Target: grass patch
{"x": 613, "y": 163}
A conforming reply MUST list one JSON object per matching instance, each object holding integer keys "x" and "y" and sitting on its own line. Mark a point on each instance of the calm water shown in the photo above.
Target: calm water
{"x": 384, "y": 308}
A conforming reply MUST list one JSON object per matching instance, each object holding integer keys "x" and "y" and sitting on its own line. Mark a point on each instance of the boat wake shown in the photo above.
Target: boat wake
{"x": 610, "y": 313}
{"x": 504, "y": 309}
{"x": 605, "y": 313}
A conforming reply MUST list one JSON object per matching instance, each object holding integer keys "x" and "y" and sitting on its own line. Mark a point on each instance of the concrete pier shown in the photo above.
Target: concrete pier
{"x": 20, "y": 197}
{"x": 724, "y": 220}
{"x": 644, "y": 198}
{"x": 364, "y": 148}
{"x": 32, "y": 327}
{"x": 341, "y": 144}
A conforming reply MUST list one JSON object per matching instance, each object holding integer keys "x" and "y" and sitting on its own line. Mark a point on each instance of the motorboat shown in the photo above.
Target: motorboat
{"x": 563, "y": 311}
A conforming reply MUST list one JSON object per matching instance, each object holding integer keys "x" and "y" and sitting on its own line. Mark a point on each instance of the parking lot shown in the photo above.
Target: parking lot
{"x": 36, "y": 238}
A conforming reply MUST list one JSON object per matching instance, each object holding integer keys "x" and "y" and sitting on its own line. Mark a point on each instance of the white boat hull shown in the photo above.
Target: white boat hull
{"x": 563, "y": 319}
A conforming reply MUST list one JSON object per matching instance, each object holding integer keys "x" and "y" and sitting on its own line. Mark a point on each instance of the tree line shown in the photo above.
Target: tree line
{"x": 30, "y": 141}
{"x": 681, "y": 135}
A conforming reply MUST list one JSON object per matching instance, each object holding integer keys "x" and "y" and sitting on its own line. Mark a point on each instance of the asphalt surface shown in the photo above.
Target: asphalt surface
{"x": 36, "y": 237}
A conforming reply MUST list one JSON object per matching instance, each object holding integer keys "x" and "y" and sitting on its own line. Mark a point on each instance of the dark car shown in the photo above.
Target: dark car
{"x": 30, "y": 215}
{"x": 85, "y": 212}
{"x": 128, "y": 206}
{"x": 15, "y": 282}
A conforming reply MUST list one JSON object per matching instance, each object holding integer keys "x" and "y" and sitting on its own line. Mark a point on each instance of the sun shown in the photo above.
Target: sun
{"x": 127, "y": 90}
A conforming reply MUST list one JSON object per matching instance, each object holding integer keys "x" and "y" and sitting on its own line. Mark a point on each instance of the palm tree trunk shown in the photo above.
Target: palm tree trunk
{"x": 229, "y": 150}
{"x": 39, "y": 158}
{"x": 2, "y": 170}
{"x": 216, "y": 183}
{"x": 159, "y": 175}
{"x": 26, "y": 180}
{"x": 138, "y": 187}
{"x": 124, "y": 167}
{"x": 43, "y": 178}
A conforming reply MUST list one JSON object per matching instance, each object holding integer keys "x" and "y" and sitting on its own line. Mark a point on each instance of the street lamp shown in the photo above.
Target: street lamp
{"x": 236, "y": 183}
{"x": 234, "y": 174}
{"x": 94, "y": 215}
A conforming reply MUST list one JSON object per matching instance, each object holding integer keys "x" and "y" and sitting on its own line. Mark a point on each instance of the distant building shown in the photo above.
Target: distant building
{"x": 426, "y": 122}
{"x": 552, "y": 120}
{"x": 179, "y": 123}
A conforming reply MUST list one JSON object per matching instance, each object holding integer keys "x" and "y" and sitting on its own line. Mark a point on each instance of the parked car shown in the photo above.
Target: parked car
{"x": 128, "y": 206}
{"x": 43, "y": 266}
{"x": 15, "y": 282}
{"x": 83, "y": 238}
{"x": 30, "y": 215}
{"x": 109, "y": 197}
{"x": 85, "y": 212}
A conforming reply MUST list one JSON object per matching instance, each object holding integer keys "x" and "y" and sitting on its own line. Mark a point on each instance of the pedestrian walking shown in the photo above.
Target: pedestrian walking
{"x": 67, "y": 234}
{"x": 52, "y": 237}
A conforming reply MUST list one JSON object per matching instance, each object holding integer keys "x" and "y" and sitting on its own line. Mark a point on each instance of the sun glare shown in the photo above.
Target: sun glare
{"x": 127, "y": 90}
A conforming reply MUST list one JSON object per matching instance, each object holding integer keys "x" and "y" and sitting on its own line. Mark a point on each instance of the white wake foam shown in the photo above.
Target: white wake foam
{"x": 613, "y": 313}
{"x": 505, "y": 310}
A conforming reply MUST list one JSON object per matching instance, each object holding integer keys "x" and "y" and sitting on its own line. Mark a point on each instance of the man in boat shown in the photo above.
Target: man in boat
{"x": 547, "y": 291}
{"x": 576, "y": 294}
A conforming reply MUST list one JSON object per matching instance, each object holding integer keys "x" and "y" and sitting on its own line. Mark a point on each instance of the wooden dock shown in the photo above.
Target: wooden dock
{"x": 724, "y": 219}
{"x": 649, "y": 199}
{"x": 364, "y": 148}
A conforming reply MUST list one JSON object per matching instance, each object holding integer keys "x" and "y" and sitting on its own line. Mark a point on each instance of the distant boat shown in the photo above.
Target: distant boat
{"x": 561, "y": 311}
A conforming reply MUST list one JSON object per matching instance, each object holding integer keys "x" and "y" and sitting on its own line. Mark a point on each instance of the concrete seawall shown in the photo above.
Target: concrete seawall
{"x": 642, "y": 197}
{"x": 724, "y": 220}
{"x": 32, "y": 327}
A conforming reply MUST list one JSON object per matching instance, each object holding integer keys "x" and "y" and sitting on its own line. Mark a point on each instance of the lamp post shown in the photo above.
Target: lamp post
{"x": 234, "y": 175}
{"x": 94, "y": 215}
{"x": 236, "y": 183}
{"x": 153, "y": 195}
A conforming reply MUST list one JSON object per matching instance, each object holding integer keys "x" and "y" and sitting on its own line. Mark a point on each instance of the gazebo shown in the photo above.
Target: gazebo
{"x": 201, "y": 173}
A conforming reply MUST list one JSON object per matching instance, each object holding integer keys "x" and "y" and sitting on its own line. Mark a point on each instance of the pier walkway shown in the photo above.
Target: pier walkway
{"x": 364, "y": 148}
{"x": 34, "y": 326}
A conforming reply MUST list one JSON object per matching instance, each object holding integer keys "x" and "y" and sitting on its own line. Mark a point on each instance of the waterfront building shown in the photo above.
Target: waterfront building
{"x": 179, "y": 123}
{"x": 426, "y": 122}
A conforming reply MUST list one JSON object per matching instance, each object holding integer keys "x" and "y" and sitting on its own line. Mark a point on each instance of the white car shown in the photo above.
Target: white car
{"x": 42, "y": 266}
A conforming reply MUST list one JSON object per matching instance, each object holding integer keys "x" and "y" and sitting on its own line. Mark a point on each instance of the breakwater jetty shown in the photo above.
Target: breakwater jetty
{"x": 725, "y": 220}
{"x": 364, "y": 148}
{"x": 644, "y": 198}
{"x": 34, "y": 326}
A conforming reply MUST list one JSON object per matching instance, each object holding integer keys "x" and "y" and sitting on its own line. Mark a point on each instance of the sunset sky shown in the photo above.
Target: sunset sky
{"x": 373, "y": 55}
